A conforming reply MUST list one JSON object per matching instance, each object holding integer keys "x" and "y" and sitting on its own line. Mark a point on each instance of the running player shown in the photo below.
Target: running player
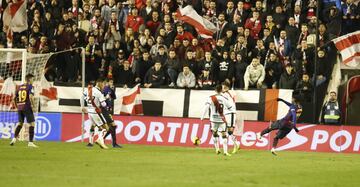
{"x": 284, "y": 125}
{"x": 230, "y": 115}
{"x": 95, "y": 100}
{"x": 216, "y": 103}
{"x": 24, "y": 102}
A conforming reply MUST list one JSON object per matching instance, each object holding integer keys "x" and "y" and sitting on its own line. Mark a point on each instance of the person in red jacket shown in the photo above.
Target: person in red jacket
{"x": 134, "y": 20}
{"x": 254, "y": 24}
{"x": 181, "y": 34}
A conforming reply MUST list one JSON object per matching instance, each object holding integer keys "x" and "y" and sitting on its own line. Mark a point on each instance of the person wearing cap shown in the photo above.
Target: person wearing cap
{"x": 331, "y": 113}
{"x": 204, "y": 81}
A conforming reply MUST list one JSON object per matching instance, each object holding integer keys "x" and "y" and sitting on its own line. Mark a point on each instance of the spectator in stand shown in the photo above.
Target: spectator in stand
{"x": 254, "y": 75}
{"x": 93, "y": 57}
{"x": 254, "y": 23}
{"x": 64, "y": 40}
{"x": 146, "y": 11}
{"x": 305, "y": 88}
{"x": 161, "y": 55}
{"x": 172, "y": 66}
{"x": 204, "y": 81}
{"x": 155, "y": 76}
{"x": 198, "y": 50}
{"x": 349, "y": 13}
{"x": 303, "y": 35}
{"x": 288, "y": 78}
{"x": 192, "y": 64}
{"x": 153, "y": 23}
{"x": 225, "y": 69}
{"x": 186, "y": 78}
{"x": 292, "y": 32}
{"x": 304, "y": 60}
{"x": 273, "y": 69}
{"x": 108, "y": 9}
{"x": 223, "y": 26}
{"x": 279, "y": 17}
{"x": 122, "y": 74}
{"x": 169, "y": 34}
{"x": 142, "y": 67}
{"x": 259, "y": 51}
{"x": 181, "y": 34}
{"x": 134, "y": 20}
{"x": 239, "y": 71}
{"x": 283, "y": 47}
{"x": 333, "y": 21}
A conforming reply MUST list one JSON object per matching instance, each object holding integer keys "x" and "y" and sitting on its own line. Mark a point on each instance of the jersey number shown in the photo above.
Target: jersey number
{"x": 219, "y": 109}
{"x": 22, "y": 95}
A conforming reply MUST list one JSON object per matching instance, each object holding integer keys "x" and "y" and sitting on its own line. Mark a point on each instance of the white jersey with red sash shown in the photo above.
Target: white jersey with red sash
{"x": 217, "y": 104}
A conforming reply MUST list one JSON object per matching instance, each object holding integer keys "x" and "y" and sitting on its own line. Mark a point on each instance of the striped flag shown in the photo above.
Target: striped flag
{"x": 131, "y": 102}
{"x": 15, "y": 16}
{"x": 7, "y": 94}
{"x": 349, "y": 47}
{"x": 204, "y": 27}
{"x": 48, "y": 91}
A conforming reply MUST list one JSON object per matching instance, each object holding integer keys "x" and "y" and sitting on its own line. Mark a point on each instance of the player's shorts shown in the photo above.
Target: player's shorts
{"x": 26, "y": 114}
{"x": 107, "y": 116}
{"x": 218, "y": 126}
{"x": 97, "y": 119}
{"x": 283, "y": 130}
{"x": 230, "y": 119}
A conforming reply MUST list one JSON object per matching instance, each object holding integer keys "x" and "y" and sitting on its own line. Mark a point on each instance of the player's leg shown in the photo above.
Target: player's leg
{"x": 279, "y": 135}
{"x": 214, "y": 130}
{"x": 274, "y": 126}
{"x": 31, "y": 120}
{"x": 21, "y": 118}
{"x": 230, "y": 118}
{"x": 112, "y": 127}
{"x": 224, "y": 138}
{"x": 91, "y": 135}
{"x": 99, "y": 122}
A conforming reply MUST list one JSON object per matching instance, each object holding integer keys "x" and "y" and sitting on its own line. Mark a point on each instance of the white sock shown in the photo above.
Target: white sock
{"x": 225, "y": 146}
{"x": 233, "y": 138}
{"x": 91, "y": 138}
{"x": 216, "y": 143}
{"x": 101, "y": 135}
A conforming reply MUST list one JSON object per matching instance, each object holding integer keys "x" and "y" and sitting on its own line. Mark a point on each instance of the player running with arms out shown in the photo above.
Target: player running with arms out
{"x": 230, "y": 114}
{"x": 24, "y": 102}
{"x": 95, "y": 100}
{"x": 216, "y": 103}
{"x": 284, "y": 125}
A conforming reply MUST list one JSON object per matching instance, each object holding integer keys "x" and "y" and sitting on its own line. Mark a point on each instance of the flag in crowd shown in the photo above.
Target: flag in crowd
{"x": 349, "y": 47}
{"x": 131, "y": 102}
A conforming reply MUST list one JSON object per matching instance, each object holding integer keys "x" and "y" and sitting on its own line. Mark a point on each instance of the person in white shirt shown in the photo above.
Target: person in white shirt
{"x": 217, "y": 103}
{"x": 95, "y": 100}
{"x": 230, "y": 114}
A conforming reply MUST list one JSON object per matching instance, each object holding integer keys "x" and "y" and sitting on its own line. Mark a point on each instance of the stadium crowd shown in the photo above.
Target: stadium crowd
{"x": 259, "y": 44}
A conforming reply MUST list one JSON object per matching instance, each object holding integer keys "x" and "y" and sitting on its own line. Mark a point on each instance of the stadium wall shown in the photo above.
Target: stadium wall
{"x": 173, "y": 131}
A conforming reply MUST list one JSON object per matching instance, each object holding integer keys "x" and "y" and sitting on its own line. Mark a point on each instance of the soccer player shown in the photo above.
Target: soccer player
{"x": 216, "y": 103}
{"x": 24, "y": 102}
{"x": 95, "y": 100}
{"x": 110, "y": 96}
{"x": 284, "y": 125}
{"x": 230, "y": 115}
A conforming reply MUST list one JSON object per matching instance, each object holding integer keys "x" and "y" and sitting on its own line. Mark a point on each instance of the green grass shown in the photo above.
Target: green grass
{"x": 73, "y": 164}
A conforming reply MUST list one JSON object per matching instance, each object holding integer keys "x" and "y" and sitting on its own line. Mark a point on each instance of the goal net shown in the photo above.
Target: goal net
{"x": 15, "y": 64}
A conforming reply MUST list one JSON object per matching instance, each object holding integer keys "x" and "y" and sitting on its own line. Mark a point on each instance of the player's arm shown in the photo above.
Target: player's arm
{"x": 282, "y": 100}
{"x": 82, "y": 103}
{"x": 205, "y": 110}
{"x": 31, "y": 97}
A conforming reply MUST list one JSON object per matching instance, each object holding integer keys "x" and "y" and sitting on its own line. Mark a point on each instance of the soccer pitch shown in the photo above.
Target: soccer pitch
{"x": 74, "y": 164}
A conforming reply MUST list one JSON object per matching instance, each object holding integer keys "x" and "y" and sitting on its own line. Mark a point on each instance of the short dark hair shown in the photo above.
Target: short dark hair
{"x": 226, "y": 83}
{"x": 100, "y": 79}
{"x": 28, "y": 77}
{"x": 218, "y": 88}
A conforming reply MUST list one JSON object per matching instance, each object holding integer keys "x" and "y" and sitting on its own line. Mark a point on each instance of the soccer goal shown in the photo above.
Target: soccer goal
{"x": 15, "y": 64}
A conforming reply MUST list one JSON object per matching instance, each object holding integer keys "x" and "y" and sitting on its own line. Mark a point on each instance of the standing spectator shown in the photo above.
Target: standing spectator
{"x": 303, "y": 35}
{"x": 93, "y": 57}
{"x": 192, "y": 64}
{"x": 134, "y": 20}
{"x": 288, "y": 78}
{"x": 155, "y": 76}
{"x": 198, "y": 50}
{"x": 254, "y": 23}
{"x": 283, "y": 47}
{"x": 333, "y": 21}
{"x": 273, "y": 70}
{"x": 48, "y": 25}
{"x": 108, "y": 9}
{"x": 123, "y": 76}
{"x": 254, "y": 75}
{"x": 259, "y": 51}
{"x": 64, "y": 41}
{"x": 181, "y": 34}
{"x": 204, "y": 81}
{"x": 292, "y": 32}
{"x": 331, "y": 113}
{"x": 153, "y": 23}
{"x": 305, "y": 88}
{"x": 226, "y": 69}
{"x": 172, "y": 66}
{"x": 161, "y": 55}
{"x": 143, "y": 66}
{"x": 239, "y": 71}
{"x": 169, "y": 34}
{"x": 146, "y": 11}
{"x": 349, "y": 14}
{"x": 223, "y": 26}
{"x": 279, "y": 17}
{"x": 186, "y": 78}
{"x": 304, "y": 57}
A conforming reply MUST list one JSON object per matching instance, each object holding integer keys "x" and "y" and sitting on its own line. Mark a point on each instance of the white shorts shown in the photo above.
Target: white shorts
{"x": 97, "y": 119}
{"x": 230, "y": 119}
{"x": 218, "y": 126}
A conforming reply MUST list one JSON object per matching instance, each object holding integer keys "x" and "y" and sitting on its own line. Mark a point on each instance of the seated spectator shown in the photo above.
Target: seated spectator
{"x": 331, "y": 113}
{"x": 204, "y": 81}
{"x": 305, "y": 88}
{"x": 155, "y": 76}
{"x": 288, "y": 78}
{"x": 254, "y": 75}
{"x": 186, "y": 78}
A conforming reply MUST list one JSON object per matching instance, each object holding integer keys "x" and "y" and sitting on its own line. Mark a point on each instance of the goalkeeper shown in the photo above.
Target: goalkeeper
{"x": 284, "y": 125}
